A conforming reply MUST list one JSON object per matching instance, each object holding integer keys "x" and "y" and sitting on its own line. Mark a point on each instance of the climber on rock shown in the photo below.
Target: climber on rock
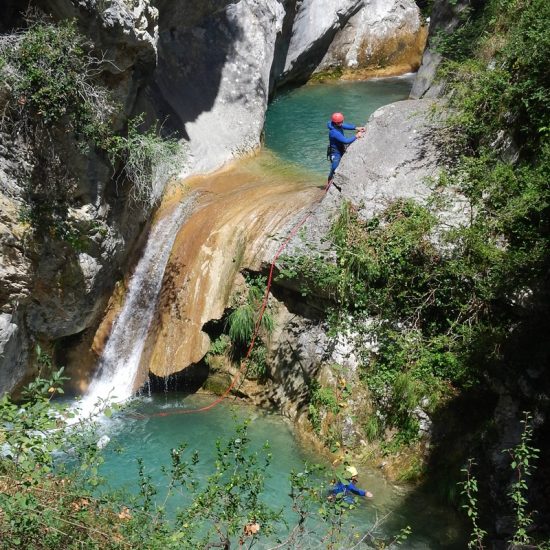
{"x": 338, "y": 142}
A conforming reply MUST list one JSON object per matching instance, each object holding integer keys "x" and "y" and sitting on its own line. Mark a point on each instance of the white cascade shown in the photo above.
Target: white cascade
{"x": 118, "y": 367}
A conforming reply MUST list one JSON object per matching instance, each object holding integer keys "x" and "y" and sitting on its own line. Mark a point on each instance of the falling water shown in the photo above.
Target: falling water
{"x": 118, "y": 367}
{"x": 150, "y": 435}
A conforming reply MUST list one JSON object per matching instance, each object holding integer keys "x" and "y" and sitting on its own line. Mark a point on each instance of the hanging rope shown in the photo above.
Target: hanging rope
{"x": 257, "y": 326}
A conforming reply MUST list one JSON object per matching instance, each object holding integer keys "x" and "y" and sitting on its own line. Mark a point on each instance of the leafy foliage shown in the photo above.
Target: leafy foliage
{"x": 25, "y": 426}
{"x": 522, "y": 464}
{"x": 39, "y": 503}
{"x": 53, "y": 77}
{"x": 504, "y": 84}
{"x": 57, "y": 108}
{"x": 258, "y": 363}
{"x": 49, "y": 500}
{"x": 219, "y": 346}
{"x": 240, "y": 326}
{"x": 242, "y": 321}
{"x": 523, "y": 457}
{"x": 231, "y": 497}
{"x": 322, "y": 400}
{"x": 470, "y": 492}
{"x": 439, "y": 304}
{"x": 148, "y": 160}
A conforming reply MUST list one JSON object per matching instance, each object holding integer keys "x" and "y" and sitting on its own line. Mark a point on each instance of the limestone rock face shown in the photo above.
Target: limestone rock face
{"x": 125, "y": 32}
{"x": 299, "y": 349}
{"x": 52, "y": 287}
{"x": 213, "y": 75}
{"x": 382, "y": 35}
{"x": 15, "y": 266}
{"x": 219, "y": 60}
{"x": 424, "y": 85}
{"x": 354, "y": 34}
{"x": 315, "y": 26}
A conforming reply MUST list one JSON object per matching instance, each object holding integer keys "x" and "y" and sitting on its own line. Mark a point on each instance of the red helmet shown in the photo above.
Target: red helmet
{"x": 337, "y": 118}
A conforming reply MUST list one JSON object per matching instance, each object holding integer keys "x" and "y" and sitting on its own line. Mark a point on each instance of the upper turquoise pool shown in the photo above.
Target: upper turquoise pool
{"x": 295, "y": 126}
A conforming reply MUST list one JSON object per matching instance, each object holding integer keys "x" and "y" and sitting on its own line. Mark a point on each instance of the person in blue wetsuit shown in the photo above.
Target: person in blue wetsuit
{"x": 349, "y": 489}
{"x": 338, "y": 141}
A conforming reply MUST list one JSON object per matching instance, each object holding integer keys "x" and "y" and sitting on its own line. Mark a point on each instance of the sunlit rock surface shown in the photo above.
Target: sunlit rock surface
{"x": 219, "y": 60}
{"x": 213, "y": 75}
{"x": 384, "y": 38}
{"x": 353, "y": 34}
{"x": 314, "y": 27}
{"x": 239, "y": 209}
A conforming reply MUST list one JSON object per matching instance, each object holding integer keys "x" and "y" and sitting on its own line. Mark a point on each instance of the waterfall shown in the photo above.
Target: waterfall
{"x": 119, "y": 363}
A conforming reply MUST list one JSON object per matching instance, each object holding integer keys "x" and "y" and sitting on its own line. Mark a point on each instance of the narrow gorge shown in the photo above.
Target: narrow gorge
{"x": 162, "y": 162}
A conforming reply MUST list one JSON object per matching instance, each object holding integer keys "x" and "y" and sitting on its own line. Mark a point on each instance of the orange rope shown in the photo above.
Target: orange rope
{"x": 258, "y": 321}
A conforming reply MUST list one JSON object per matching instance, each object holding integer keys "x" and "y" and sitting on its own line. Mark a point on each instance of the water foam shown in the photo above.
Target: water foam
{"x": 115, "y": 377}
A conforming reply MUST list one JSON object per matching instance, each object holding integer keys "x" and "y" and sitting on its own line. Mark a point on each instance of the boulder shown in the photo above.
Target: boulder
{"x": 213, "y": 76}
{"x": 328, "y": 35}
{"x": 383, "y": 37}
{"x": 370, "y": 178}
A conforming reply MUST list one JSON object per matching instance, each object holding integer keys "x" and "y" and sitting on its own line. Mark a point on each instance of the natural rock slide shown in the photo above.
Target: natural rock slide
{"x": 228, "y": 232}
{"x": 234, "y": 212}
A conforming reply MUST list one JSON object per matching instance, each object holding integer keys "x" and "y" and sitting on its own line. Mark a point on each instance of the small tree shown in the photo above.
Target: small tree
{"x": 522, "y": 457}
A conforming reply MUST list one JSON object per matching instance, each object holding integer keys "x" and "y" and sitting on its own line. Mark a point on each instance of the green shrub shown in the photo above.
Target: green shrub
{"x": 322, "y": 399}
{"x": 52, "y": 76}
{"x": 511, "y": 91}
{"x": 242, "y": 321}
{"x": 147, "y": 159}
{"x": 257, "y": 364}
{"x": 372, "y": 428}
{"x": 220, "y": 345}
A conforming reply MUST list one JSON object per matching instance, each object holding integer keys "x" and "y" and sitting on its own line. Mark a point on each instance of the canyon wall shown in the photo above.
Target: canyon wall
{"x": 205, "y": 71}
{"x": 51, "y": 289}
{"x": 356, "y": 38}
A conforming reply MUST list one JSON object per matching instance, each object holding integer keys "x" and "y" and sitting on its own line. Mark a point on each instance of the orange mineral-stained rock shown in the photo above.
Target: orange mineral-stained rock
{"x": 238, "y": 210}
